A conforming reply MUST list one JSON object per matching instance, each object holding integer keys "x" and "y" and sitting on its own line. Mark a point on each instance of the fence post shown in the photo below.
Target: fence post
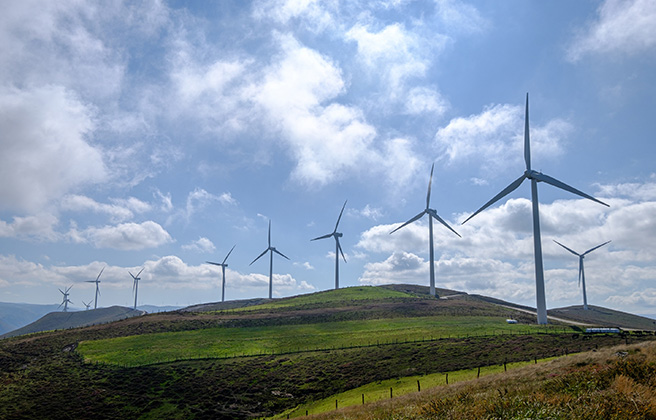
{"x": 478, "y": 374}
{"x": 418, "y": 386}
{"x": 447, "y": 379}
{"x": 335, "y": 404}
{"x": 362, "y": 399}
{"x": 391, "y": 393}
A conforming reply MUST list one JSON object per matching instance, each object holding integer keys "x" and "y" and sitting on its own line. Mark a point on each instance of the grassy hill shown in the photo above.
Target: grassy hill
{"x": 252, "y": 361}
{"x": 64, "y": 320}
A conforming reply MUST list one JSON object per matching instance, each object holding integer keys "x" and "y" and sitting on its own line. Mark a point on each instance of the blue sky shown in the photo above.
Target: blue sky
{"x": 160, "y": 134}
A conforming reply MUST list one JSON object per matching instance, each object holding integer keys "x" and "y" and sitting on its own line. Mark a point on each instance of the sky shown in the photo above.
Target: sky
{"x": 158, "y": 135}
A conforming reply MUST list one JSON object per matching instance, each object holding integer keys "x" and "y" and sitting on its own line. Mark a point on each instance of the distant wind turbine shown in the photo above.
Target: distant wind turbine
{"x": 534, "y": 177}
{"x": 97, "y": 281}
{"x": 581, "y": 272}
{"x": 65, "y": 300}
{"x": 338, "y": 247}
{"x": 88, "y": 305}
{"x": 432, "y": 214}
{"x": 135, "y": 286}
{"x": 271, "y": 250}
{"x": 223, "y": 266}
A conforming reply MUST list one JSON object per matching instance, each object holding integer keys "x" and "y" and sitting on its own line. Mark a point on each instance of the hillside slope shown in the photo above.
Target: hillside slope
{"x": 252, "y": 375}
{"x": 65, "y": 320}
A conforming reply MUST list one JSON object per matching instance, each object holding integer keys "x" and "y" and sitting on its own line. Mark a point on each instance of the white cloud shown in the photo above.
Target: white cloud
{"x": 80, "y": 203}
{"x": 495, "y": 137}
{"x": 400, "y": 267}
{"x": 125, "y": 236}
{"x": 41, "y": 227}
{"x": 305, "y": 265}
{"x": 621, "y": 28}
{"x": 45, "y": 146}
{"x": 422, "y": 100}
{"x": 313, "y": 12}
{"x": 202, "y": 244}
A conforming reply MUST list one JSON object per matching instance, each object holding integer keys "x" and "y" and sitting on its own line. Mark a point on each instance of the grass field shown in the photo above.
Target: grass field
{"x": 247, "y": 341}
{"x": 380, "y": 390}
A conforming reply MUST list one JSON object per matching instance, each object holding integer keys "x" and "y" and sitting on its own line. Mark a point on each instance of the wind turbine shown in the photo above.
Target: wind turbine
{"x": 581, "y": 272}
{"x": 223, "y": 266}
{"x": 65, "y": 300}
{"x": 271, "y": 250}
{"x": 97, "y": 281}
{"x": 338, "y": 247}
{"x": 87, "y": 305}
{"x": 535, "y": 177}
{"x": 135, "y": 286}
{"x": 432, "y": 214}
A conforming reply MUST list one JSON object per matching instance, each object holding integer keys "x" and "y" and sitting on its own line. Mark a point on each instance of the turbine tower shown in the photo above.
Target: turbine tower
{"x": 581, "y": 272}
{"x": 135, "y": 286}
{"x": 223, "y": 266}
{"x": 88, "y": 305}
{"x": 271, "y": 250}
{"x": 338, "y": 247}
{"x": 65, "y": 300}
{"x": 535, "y": 177}
{"x": 97, "y": 281}
{"x": 432, "y": 214}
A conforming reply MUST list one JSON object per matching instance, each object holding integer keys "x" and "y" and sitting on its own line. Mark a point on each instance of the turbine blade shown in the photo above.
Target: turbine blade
{"x": 417, "y": 217}
{"x": 433, "y": 213}
{"x": 133, "y": 276}
{"x": 580, "y": 270}
{"x": 101, "y": 271}
{"x": 553, "y": 181}
{"x": 260, "y": 256}
{"x": 323, "y": 237}
{"x": 510, "y": 188}
{"x": 140, "y": 271}
{"x": 527, "y": 140}
{"x": 340, "y": 217}
{"x": 592, "y": 249}
{"x": 573, "y": 252}
{"x": 430, "y": 182}
{"x": 280, "y": 253}
{"x": 226, "y": 258}
{"x": 269, "y": 233}
{"x": 214, "y": 263}
{"x": 339, "y": 246}
{"x": 62, "y": 292}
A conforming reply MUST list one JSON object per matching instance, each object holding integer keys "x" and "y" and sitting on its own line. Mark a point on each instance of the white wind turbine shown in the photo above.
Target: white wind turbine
{"x": 223, "y": 266}
{"x": 65, "y": 300}
{"x": 581, "y": 272}
{"x": 88, "y": 305}
{"x": 135, "y": 285}
{"x": 271, "y": 250}
{"x": 97, "y": 281}
{"x": 338, "y": 247}
{"x": 534, "y": 177}
{"x": 432, "y": 214}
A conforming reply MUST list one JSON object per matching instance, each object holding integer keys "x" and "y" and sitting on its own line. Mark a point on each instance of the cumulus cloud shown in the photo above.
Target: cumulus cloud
{"x": 46, "y": 152}
{"x": 621, "y": 28}
{"x": 125, "y": 236}
{"x": 202, "y": 244}
{"x": 40, "y": 227}
{"x": 313, "y": 12}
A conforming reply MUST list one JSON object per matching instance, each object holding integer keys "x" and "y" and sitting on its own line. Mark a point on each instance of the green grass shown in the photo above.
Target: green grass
{"x": 360, "y": 294}
{"x": 247, "y": 341}
{"x": 400, "y": 386}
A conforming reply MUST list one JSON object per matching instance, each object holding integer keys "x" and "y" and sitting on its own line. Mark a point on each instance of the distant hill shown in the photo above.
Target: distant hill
{"x": 16, "y": 315}
{"x": 65, "y": 320}
{"x": 222, "y": 306}
{"x": 152, "y": 309}
{"x": 604, "y": 317}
